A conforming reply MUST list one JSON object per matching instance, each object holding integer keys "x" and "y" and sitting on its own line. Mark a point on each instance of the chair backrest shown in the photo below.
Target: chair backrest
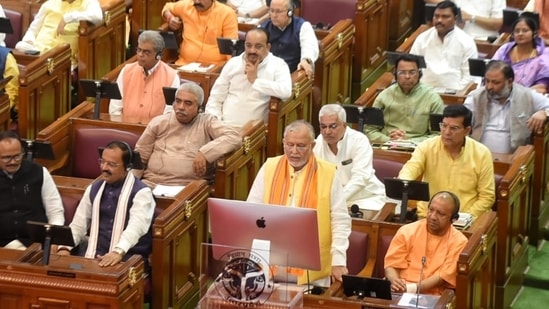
{"x": 16, "y": 20}
{"x": 70, "y": 203}
{"x": 383, "y": 246}
{"x": 327, "y": 12}
{"x": 85, "y": 143}
{"x": 357, "y": 253}
{"x": 386, "y": 168}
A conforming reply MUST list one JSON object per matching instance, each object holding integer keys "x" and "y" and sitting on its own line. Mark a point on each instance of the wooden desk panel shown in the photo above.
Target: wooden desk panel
{"x": 71, "y": 282}
{"x": 44, "y": 89}
{"x": 298, "y": 106}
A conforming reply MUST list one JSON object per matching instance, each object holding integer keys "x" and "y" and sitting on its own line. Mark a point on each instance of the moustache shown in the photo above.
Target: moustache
{"x": 106, "y": 172}
{"x": 198, "y": 5}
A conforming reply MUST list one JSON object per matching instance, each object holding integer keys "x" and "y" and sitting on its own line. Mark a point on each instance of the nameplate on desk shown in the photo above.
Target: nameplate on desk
{"x": 60, "y": 274}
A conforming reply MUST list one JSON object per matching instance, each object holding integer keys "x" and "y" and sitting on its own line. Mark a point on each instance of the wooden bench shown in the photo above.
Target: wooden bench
{"x": 4, "y": 110}
{"x": 235, "y": 171}
{"x": 101, "y": 47}
{"x": 476, "y": 266}
{"x": 180, "y": 226}
{"x": 44, "y": 89}
{"x": 515, "y": 173}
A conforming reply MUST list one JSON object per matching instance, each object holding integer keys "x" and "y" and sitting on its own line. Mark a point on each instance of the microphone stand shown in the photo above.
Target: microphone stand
{"x": 404, "y": 203}
{"x": 423, "y": 260}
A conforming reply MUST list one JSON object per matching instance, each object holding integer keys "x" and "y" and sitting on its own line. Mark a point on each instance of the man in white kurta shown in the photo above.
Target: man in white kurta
{"x": 446, "y": 49}
{"x": 350, "y": 150}
{"x": 247, "y": 82}
{"x": 482, "y": 18}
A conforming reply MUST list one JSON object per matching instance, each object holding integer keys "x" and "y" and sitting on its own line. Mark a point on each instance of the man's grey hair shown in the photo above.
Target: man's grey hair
{"x": 333, "y": 109}
{"x": 194, "y": 89}
{"x": 298, "y": 124}
{"x": 153, "y": 37}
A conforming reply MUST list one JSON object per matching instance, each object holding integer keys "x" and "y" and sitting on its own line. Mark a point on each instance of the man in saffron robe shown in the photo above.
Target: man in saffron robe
{"x": 299, "y": 179}
{"x": 428, "y": 248}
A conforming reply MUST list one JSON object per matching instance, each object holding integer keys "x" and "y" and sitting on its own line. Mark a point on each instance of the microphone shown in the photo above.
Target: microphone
{"x": 355, "y": 212}
{"x": 423, "y": 260}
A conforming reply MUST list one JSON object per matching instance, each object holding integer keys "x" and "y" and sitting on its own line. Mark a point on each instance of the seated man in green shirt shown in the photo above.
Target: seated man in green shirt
{"x": 406, "y": 105}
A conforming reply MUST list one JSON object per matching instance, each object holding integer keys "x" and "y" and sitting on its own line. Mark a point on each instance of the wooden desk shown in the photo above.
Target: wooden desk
{"x": 179, "y": 227}
{"x": 69, "y": 282}
{"x": 4, "y": 110}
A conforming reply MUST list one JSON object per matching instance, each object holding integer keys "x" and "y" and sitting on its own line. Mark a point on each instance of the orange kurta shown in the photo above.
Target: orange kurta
{"x": 201, "y": 30}
{"x": 412, "y": 242}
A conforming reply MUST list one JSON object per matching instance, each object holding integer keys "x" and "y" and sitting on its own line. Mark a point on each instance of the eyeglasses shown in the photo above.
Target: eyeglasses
{"x": 407, "y": 73}
{"x": 331, "y": 126}
{"x": 444, "y": 126}
{"x": 16, "y": 158}
{"x": 299, "y": 147}
{"x": 146, "y": 52}
{"x": 273, "y": 11}
{"x": 109, "y": 163}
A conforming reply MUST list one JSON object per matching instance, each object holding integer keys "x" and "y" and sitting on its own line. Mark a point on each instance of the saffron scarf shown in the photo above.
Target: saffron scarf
{"x": 280, "y": 184}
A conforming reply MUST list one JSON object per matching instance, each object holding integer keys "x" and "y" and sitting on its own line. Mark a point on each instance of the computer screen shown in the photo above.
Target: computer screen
{"x": 292, "y": 231}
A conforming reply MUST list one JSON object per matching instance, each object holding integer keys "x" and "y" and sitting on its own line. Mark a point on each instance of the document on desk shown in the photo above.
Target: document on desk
{"x": 425, "y": 301}
{"x": 166, "y": 191}
{"x": 195, "y": 67}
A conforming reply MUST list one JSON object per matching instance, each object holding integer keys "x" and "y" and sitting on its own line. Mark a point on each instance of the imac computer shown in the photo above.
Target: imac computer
{"x": 292, "y": 231}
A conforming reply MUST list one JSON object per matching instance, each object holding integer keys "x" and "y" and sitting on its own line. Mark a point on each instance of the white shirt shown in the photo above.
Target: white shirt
{"x": 52, "y": 200}
{"x": 2, "y": 35}
{"x": 308, "y": 42}
{"x": 354, "y": 165}
{"x": 341, "y": 227}
{"x": 247, "y": 6}
{"x": 447, "y": 61}
{"x": 483, "y": 8}
{"x": 236, "y": 101}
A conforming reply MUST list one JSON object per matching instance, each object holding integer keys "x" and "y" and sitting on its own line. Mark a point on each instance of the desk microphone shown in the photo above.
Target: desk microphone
{"x": 423, "y": 260}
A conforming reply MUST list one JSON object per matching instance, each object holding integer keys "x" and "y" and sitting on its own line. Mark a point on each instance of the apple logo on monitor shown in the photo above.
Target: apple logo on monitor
{"x": 260, "y": 223}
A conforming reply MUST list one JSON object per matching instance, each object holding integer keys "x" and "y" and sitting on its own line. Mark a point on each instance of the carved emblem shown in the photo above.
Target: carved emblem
{"x": 50, "y": 65}
{"x": 132, "y": 276}
{"x": 246, "y": 144}
{"x": 107, "y": 17}
{"x": 188, "y": 209}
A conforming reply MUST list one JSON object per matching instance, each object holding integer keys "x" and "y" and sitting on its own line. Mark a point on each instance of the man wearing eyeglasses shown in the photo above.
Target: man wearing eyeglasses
{"x": 27, "y": 192}
{"x": 292, "y": 38}
{"x": 113, "y": 219}
{"x": 505, "y": 113}
{"x": 140, "y": 83}
{"x": 454, "y": 162}
{"x": 300, "y": 179}
{"x": 351, "y": 152}
{"x": 406, "y": 105}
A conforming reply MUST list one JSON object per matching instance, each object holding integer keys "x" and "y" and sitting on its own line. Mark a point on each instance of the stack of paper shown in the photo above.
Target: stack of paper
{"x": 195, "y": 67}
{"x": 464, "y": 221}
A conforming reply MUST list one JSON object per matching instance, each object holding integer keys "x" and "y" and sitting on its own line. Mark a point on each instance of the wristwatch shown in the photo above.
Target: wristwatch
{"x": 118, "y": 250}
{"x": 472, "y": 19}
